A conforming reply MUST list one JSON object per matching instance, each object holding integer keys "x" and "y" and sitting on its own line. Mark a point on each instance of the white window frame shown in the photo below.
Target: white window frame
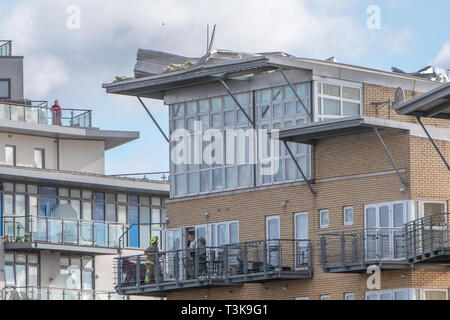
{"x": 302, "y": 298}
{"x": 320, "y": 96}
{"x": 267, "y": 226}
{"x": 352, "y": 221}
{"x": 409, "y": 293}
{"x": 325, "y": 297}
{"x": 307, "y": 226}
{"x": 350, "y": 294}
{"x": 42, "y": 153}
{"x": 324, "y": 226}
{"x": 13, "y": 147}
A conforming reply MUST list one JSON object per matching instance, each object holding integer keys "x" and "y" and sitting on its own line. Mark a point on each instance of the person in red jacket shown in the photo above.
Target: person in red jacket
{"x": 56, "y": 114}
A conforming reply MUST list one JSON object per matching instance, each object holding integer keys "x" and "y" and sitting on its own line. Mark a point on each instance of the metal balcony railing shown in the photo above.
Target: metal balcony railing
{"x": 257, "y": 261}
{"x": 425, "y": 239}
{"x": 162, "y": 176}
{"x": 62, "y": 231}
{"x": 39, "y": 112}
{"x": 354, "y": 250}
{"x": 5, "y": 48}
{"x": 38, "y": 293}
{"x": 428, "y": 238}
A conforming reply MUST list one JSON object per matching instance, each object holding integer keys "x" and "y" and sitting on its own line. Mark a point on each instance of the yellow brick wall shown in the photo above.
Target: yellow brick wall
{"x": 425, "y": 172}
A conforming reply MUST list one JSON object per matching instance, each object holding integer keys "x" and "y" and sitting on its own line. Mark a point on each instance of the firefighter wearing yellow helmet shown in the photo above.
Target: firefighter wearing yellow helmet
{"x": 150, "y": 262}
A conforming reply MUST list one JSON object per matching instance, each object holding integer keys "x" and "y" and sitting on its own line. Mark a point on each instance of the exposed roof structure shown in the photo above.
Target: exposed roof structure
{"x": 433, "y": 104}
{"x": 429, "y": 72}
{"x": 315, "y": 132}
{"x": 151, "y": 81}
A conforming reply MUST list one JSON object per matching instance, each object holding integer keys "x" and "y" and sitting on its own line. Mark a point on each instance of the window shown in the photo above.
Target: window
{"x": 5, "y": 89}
{"x": 22, "y": 270}
{"x": 348, "y": 216}
{"x": 325, "y": 298}
{"x": 77, "y": 272}
{"x": 10, "y": 155}
{"x": 349, "y": 296}
{"x": 273, "y": 228}
{"x": 324, "y": 219}
{"x": 274, "y": 108}
{"x": 302, "y": 298}
{"x": 338, "y": 99}
{"x": 39, "y": 158}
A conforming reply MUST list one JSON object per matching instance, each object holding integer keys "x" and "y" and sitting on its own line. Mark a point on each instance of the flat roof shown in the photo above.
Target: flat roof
{"x": 111, "y": 138}
{"x": 433, "y": 104}
{"x": 313, "y": 133}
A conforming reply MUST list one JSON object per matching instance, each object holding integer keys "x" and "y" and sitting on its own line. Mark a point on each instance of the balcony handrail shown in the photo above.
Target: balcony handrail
{"x": 55, "y": 231}
{"x": 94, "y": 293}
{"x": 232, "y": 263}
{"x": 43, "y": 114}
{"x": 219, "y": 247}
{"x": 5, "y": 48}
{"x": 65, "y": 219}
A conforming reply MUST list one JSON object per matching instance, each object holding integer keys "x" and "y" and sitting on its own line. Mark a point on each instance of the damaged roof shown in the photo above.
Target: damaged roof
{"x": 157, "y": 72}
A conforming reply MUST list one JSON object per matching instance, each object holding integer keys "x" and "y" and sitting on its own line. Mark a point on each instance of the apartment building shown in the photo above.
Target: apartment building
{"x": 62, "y": 220}
{"x": 345, "y": 192}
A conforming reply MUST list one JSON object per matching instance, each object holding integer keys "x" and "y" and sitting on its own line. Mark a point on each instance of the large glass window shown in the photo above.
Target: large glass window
{"x": 336, "y": 100}
{"x": 275, "y": 108}
{"x": 10, "y": 155}
{"x": 21, "y": 270}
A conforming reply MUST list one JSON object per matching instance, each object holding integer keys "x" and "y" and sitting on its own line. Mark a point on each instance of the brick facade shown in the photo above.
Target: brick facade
{"x": 344, "y": 158}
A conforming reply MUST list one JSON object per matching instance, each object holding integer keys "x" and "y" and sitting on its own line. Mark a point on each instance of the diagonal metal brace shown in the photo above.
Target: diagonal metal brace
{"x": 237, "y": 102}
{"x": 390, "y": 157}
{"x": 154, "y": 120}
{"x": 298, "y": 97}
{"x": 432, "y": 142}
{"x": 308, "y": 182}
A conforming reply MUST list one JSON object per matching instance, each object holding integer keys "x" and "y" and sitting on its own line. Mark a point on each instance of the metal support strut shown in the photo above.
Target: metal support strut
{"x": 432, "y": 142}
{"x": 154, "y": 120}
{"x": 237, "y": 102}
{"x": 308, "y": 182}
{"x": 390, "y": 157}
{"x": 296, "y": 94}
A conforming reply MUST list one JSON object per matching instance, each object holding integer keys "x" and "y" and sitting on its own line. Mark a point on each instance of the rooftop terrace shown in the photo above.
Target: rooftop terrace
{"x": 40, "y": 112}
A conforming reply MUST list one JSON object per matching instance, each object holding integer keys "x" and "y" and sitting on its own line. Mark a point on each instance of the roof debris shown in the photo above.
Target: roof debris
{"x": 429, "y": 72}
{"x": 177, "y": 66}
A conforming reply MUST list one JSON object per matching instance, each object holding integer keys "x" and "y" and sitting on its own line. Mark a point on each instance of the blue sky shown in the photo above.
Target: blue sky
{"x": 71, "y": 65}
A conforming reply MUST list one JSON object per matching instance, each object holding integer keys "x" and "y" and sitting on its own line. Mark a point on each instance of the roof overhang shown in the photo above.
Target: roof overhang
{"x": 316, "y": 132}
{"x": 155, "y": 86}
{"x": 83, "y": 180}
{"x": 111, "y": 138}
{"x": 433, "y": 104}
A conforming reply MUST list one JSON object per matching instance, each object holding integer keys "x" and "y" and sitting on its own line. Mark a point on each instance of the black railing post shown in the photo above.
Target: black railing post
{"x": 415, "y": 239}
{"x": 431, "y": 233}
{"x": 138, "y": 272}
{"x": 265, "y": 258}
{"x": 343, "y": 249}
{"x": 196, "y": 265}
{"x": 157, "y": 267}
{"x": 245, "y": 266}
{"x": 323, "y": 251}
{"x": 176, "y": 266}
{"x": 363, "y": 247}
{"x": 280, "y": 257}
{"x": 226, "y": 259}
{"x": 407, "y": 241}
{"x": 422, "y": 230}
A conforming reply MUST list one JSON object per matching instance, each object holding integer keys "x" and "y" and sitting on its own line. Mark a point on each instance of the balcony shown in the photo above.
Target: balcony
{"x": 38, "y": 112}
{"x": 61, "y": 234}
{"x": 258, "y": 261}
{"x": 422, "y": 240}
{"x": 37, "y": 293}
{"x": 5, "y": 48}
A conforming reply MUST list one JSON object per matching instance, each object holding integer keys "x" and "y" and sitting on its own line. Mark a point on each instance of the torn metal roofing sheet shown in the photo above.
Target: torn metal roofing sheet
{"x": 226, "y": 64}
{"x": 433, "y": 104}
{"x": 429, "y": 72}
